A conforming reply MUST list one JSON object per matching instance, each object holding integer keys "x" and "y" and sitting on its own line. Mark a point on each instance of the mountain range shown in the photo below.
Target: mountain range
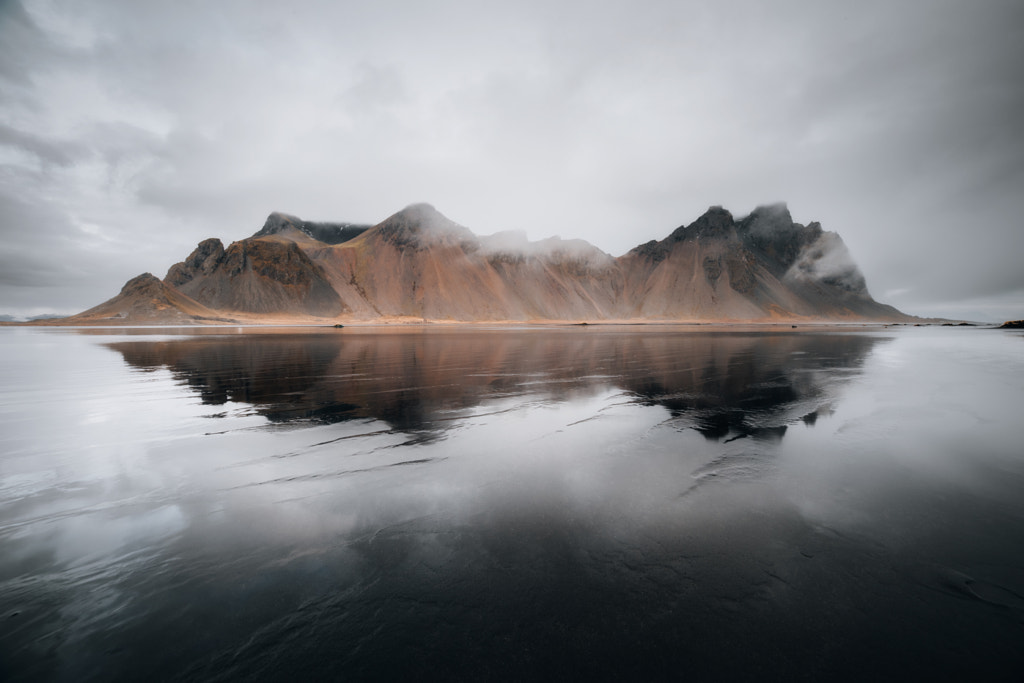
{"x": 419, "y": 265}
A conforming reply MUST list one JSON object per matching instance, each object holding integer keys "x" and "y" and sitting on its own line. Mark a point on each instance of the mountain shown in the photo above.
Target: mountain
{"x": 763, "y": 266}
{"x": 418, "y": 264}
{"x": 146, "y": 299}
{"x": 263, "y": 275}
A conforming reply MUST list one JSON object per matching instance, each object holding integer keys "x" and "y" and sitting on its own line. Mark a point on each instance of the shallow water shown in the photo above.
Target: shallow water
{"x": 558, "y": 503}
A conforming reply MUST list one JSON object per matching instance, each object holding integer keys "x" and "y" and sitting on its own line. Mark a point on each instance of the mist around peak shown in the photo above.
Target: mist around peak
{"x": 515, "y": 243}
{"x": 769, "y": 220}
{"x": 419, "y": 226}
{"x": 828, "y": 261}
{"x": 279, "y": 223}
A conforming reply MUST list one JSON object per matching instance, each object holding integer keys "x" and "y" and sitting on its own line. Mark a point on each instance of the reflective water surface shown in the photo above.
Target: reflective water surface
{"x": 480, "y": 504}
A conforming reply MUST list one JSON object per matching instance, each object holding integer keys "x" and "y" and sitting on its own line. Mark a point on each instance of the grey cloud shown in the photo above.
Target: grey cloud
{"x": 895, "y": 125}
{"x": 49, "y": 264}
{"x": 32, "y": 236}
{"x": 30, "y": 223}
{"x": 23, "y": 43}
{"x": 21, "y": 267}
{"x": 59, "y": 152}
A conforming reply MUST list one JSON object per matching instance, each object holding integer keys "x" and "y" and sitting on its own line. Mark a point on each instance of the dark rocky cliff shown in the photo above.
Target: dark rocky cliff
{"x": 261, "y": 276}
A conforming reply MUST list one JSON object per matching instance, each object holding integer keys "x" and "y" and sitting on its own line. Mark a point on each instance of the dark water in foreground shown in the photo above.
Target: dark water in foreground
{"x": 601, "y": 503}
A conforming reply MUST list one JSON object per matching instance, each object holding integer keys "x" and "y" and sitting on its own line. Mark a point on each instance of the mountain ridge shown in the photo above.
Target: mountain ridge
{"x": 419, "y": 264}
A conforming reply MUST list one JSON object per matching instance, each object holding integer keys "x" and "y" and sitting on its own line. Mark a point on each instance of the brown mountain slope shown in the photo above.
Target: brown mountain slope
{"x": 419, "y": 264}
{"x": 261, "y": 275}
{"x": 145, "y": 299}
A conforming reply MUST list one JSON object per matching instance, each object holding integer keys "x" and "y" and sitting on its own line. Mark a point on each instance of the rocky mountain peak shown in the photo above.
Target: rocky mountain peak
{"x": 770, "y": 232}
{"x": 423, "y": 216}
{"x": 328, "y": 233}
{"x": 277, "y": 222}
{"x": 204, "y": 259}
{"x": 715, "y": 222}
{"x": 768, "y": 218}
{"x": 422, "y": 211}
{"x": 146, "y": 284}
{"x": 420, "y": 225}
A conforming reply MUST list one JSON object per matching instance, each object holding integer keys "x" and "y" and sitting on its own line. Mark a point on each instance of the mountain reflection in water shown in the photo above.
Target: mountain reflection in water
{"x": 577, "y": 503}
{"x": 724, "y": 385}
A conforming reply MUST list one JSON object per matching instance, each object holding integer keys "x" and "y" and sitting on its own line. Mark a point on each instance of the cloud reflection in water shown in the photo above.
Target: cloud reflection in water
{"x": 534, "y": 503}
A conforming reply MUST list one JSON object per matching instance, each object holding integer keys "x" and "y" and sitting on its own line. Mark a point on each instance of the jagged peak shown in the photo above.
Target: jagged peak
{"x": 715, "y": 217}
{"x": 772, "y": 207}
{"x": 715, "y": 221}
{"x": 278, "y": 221}
{"x": 281, "y": 216}
{"x": 770, "y": 231}
{"x": 140, "y": 282}
{"x": 328, "y": 233}
{"x": 204, "y": 258}
{"x": 769, "y": 219}
{"x": 420, "y": 224}
{"x": 423, "y": 215}
{"x": 777, "y": 212}
{"x": 210, "y": 243}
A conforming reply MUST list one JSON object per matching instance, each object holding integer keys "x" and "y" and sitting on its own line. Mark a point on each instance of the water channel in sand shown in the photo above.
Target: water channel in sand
{"x": 638, "y": 502}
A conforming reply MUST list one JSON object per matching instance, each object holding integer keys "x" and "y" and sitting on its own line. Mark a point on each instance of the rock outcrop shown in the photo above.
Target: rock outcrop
{"x": 145, "y": 299}
{"x": 328, "y": 233}
{"x": 260, "y": 275}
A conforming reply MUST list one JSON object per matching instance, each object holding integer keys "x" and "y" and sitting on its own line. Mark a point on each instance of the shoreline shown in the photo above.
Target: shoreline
{"x": 412, "y": 324}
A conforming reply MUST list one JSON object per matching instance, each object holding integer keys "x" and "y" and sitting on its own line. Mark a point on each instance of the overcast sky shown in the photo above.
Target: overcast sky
{"x": 130, "y": 131}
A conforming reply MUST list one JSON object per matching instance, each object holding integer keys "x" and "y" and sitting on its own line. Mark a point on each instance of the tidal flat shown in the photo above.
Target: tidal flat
{"x": 554, "y": 503}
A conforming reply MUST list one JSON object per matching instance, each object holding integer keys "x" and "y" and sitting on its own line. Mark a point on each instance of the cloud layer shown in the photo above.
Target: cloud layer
{"x": 130, "y": 131}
